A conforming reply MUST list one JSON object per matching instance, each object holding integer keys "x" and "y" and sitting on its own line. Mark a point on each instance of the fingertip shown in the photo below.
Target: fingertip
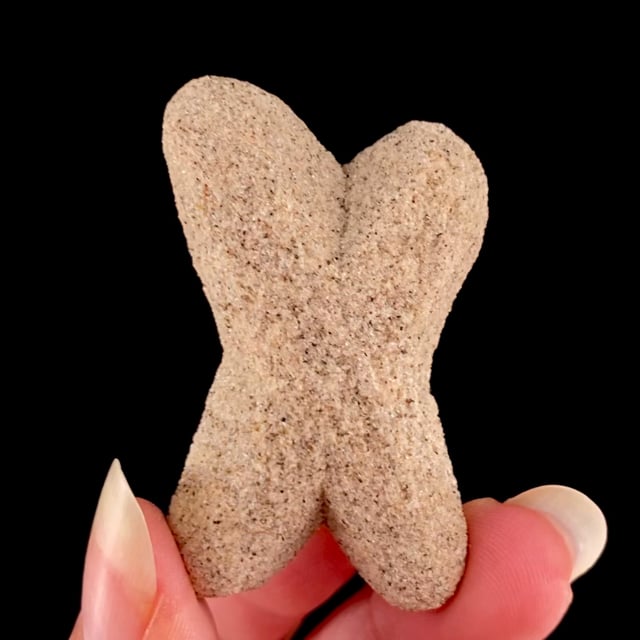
{"x": 119, "y": 580}
{"x": 171, "y": 570}
{"x": 516, "y": 582}
{"x": 517, "y": 576}
{"x": 134, "y": 582}
{"x": 76, "y": 633}
{"x": 178, "y": 614}
{"x": 578, "y": 518}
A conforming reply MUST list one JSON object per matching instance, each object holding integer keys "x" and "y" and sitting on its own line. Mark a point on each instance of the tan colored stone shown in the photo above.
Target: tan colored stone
{"x": 330, "y": 286}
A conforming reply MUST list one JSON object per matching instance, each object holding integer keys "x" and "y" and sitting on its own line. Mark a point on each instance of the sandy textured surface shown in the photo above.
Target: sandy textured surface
{"x": 330, "y": 286}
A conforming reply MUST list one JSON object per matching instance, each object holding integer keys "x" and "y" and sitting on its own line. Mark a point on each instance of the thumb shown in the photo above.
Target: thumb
{"x": 135, "y": 585}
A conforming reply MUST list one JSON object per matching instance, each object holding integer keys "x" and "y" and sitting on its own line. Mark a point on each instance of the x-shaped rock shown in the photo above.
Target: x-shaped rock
{"x": 330, "y": 286}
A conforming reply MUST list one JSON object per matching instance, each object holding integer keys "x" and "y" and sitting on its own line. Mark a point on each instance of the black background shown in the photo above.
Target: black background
{"x": 527, "y": 374}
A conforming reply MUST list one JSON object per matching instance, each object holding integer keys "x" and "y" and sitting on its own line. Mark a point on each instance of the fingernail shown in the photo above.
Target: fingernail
{"x": 577, "y": 517}
{"x": 119, "y": 584}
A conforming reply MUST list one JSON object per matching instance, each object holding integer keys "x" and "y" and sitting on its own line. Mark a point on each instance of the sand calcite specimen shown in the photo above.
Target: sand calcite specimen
{"x": 330, "y": 286}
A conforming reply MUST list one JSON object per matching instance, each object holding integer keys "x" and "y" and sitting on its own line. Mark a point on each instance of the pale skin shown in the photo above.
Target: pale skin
{"x": 516, "y": 587}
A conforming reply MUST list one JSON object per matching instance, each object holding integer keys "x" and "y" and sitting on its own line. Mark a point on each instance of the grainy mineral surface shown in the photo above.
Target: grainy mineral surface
{"x": 330, "y": 286}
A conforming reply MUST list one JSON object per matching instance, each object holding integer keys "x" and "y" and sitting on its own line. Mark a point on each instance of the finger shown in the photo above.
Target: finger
{"x": 515, "y": 586}
{"x": 272, "y": 611}
{"x": 134, "y": 585}
{"x": 77, "y": 634}
{"x": 319, "y": 569}
{"x": 135, "y": 582}
{"x": 178, "y": 613}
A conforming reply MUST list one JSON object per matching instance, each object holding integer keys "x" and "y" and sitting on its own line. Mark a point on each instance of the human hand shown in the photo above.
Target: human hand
{"x": 523, "y": 555}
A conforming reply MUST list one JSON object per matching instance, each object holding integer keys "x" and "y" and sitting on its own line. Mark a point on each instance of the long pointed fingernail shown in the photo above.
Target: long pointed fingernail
{"x": 577, "y": 517}
{"x": 119, "y": 584}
